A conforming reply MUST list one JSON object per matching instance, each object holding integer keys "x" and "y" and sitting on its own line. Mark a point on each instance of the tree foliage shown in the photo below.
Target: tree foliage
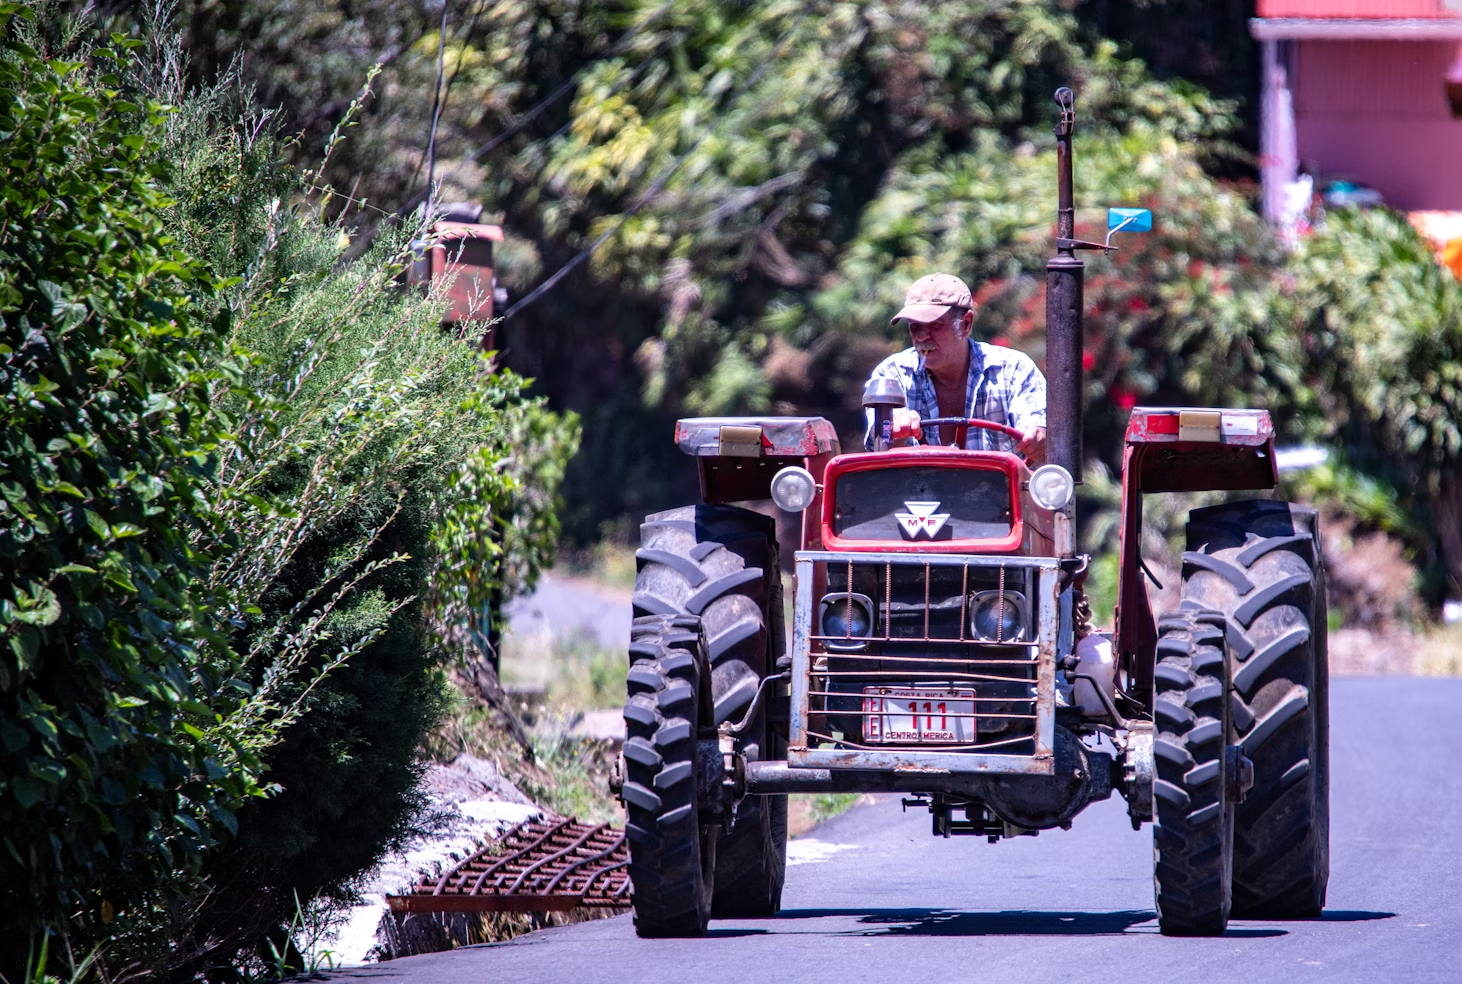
{"x": 885, "y": 141}
{"x": 1381, "y": 325}
{"x": 773, "y": 174}
{"x": 786, "y": 166}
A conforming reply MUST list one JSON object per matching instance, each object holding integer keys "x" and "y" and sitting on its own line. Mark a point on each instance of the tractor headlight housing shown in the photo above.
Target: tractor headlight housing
{"x": 793, "y": 488}
{"x": 845, "y": 619}
{"x": 1052, "y": 487}
{"x": 999, "y": 616}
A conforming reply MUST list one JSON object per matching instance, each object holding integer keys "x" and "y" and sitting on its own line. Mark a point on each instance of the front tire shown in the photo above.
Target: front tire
{"x": 1193, "y": 836}
{"x": 672, "y": 856}
{"x": 1259, "y": 563}
{"x": 719, "y": 563}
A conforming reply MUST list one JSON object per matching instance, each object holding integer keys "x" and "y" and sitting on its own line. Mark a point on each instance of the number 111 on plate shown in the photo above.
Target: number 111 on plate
{"x": 918, "y": 715}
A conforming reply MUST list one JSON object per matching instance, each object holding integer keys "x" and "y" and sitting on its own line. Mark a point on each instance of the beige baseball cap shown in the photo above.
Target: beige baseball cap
{"x": 931, "y": 296}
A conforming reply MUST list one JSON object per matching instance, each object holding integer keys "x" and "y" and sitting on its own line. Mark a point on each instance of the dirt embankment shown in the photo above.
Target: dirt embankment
{"x": 1378, "y": 625}
{"x": 1372, "y": 585}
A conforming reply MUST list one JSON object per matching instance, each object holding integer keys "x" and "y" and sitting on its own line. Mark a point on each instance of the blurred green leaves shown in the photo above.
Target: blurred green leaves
{"x": 1382, "y": 322}
{"x": 891, "y": 139}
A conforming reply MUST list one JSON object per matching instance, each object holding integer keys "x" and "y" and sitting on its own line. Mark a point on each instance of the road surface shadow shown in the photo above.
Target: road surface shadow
{"x": 1352, "y": 915}
{"x": 946, "y": 922}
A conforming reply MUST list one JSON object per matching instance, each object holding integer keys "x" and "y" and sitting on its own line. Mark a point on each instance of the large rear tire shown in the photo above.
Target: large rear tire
{"x": 719, "y": 563}
{"x": 672, "y": 856}
{"x": 1192, "y": 839}
{"x": 1259, "y": 563}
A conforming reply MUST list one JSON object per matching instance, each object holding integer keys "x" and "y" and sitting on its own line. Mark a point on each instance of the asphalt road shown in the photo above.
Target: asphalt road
{"x": 873, "y": 897}
{"x": 564, "y": 607}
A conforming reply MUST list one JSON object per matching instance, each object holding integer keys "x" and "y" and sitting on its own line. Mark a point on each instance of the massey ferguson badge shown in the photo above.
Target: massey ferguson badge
{"x": 921, "y": 520}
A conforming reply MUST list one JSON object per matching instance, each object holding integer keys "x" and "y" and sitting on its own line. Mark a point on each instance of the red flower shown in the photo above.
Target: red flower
{"x": 988, "y": 290}
{"x": 1001, "y": 341}
{"x": 1123, "y": 398}
{"x": 1088, "y": 360}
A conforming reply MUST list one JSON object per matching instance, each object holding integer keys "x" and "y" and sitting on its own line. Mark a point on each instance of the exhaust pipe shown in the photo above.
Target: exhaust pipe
{"x": 1064, "y": 283}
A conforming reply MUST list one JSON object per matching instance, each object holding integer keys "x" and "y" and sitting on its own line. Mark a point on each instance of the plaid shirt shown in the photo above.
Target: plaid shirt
{"x": 1004, "y": 387}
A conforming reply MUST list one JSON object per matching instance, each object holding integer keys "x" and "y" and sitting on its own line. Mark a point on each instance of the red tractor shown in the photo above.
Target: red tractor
{"x": 942, "y": 649}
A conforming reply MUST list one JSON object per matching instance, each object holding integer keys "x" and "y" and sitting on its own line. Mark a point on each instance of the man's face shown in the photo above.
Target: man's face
{"x": 942, "y": 343}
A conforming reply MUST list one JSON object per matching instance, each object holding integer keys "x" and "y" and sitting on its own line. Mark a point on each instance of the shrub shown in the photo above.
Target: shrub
{"x": 249, "y": 488}
{"x": 1381, "y": 324}
{"x": 115, "y": 772}
{"x": 379, "y": 469}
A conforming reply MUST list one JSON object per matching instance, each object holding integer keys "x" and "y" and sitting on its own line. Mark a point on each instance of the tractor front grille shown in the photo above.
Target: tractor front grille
{"x": 891, "y": 666}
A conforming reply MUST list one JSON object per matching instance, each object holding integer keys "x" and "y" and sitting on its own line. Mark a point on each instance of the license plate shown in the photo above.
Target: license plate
{"x": 918, "y": 715}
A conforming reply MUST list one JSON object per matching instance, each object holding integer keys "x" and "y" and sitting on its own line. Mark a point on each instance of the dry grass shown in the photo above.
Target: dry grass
{"x": 497, "y": 927}
{"x": 550, "y": 683}
{"x": 1372, "y": 652}
{"x": 564, "y": 674}
{"x": 1439, "y": 652}
{"x": 807, "y": 810}
{"x": 609, "y": 563}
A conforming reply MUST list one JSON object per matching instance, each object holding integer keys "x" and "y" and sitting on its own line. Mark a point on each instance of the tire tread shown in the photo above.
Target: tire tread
{"x": 1193, "y": 835}
{"x": 1276, "y": 633}
{"x": 719, "y": 562}
{"x": 671, "y": 894}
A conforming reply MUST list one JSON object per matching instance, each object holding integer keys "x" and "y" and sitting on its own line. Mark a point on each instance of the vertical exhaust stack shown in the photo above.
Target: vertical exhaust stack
{"x": 1064, "y": 280}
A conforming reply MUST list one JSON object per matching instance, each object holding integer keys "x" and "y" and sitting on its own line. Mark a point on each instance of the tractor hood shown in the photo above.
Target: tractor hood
{"x": 930, "y": 500}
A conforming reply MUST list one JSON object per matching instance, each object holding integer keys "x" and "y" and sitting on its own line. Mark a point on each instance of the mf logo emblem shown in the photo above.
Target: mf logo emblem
{"x": 921, "y": 520}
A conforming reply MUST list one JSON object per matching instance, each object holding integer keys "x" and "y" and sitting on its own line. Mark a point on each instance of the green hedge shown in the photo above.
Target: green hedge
{"x": 251, "y": 491}
{"x": 115, "y": 772}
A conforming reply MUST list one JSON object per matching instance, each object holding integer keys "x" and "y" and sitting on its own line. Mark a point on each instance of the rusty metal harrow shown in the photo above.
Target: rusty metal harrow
{"x": 546, "y": 865}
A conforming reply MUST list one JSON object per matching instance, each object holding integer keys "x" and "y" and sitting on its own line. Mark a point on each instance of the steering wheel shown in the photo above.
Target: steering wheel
{"x": 965, "y": 422}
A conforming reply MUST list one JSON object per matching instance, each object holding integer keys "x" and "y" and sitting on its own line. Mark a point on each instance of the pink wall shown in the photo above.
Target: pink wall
{"x": 1376, "y": 112}
{"x": 1355, "y": 8}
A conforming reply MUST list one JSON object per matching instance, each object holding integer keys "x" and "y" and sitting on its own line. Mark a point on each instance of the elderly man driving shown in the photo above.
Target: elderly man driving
{"x": 946, "y": 373}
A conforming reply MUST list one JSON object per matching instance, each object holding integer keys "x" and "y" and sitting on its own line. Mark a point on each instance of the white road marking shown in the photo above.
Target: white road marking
{"x": 810, "y": 850}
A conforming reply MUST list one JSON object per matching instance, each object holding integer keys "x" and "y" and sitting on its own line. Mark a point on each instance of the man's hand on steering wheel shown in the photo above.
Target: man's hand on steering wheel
{"x": 1033, "y": 446}
{"x": 906, "y": 423}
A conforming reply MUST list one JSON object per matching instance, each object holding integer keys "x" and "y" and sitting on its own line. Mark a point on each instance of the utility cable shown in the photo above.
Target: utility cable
{"x": 514, "y": 127}
{"x": 626, "y": 80}
{"x": 660, "y": 180}
{"x": 437, "y": 100}
{"x": 444, "y": 92}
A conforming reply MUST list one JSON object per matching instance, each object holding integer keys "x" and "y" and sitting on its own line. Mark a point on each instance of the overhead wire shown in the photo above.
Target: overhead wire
{"x": 438, "y": 100}
{"x": 619, "y": 47}
{"x": 661, "y": 179}
{"x": 624, "y": 81}
{"x": 446, "y": 92}
{"x": 517, "y": 124}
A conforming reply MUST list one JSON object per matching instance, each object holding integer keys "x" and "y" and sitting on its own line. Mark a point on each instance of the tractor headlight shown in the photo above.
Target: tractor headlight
{"x": 793, "y": 488}
{"x": 999, "y": 616}
{"x": 846, "y": 620}
{"x": 1051, "y": 486}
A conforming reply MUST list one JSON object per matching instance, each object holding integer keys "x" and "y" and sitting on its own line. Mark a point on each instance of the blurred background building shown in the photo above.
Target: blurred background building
{"x": 1361, "y": 100}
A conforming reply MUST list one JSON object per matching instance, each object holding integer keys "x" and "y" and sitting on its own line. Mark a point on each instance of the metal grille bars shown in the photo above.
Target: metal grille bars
{"x": 540, "y": 866}
{"x": 994, "y": 699}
